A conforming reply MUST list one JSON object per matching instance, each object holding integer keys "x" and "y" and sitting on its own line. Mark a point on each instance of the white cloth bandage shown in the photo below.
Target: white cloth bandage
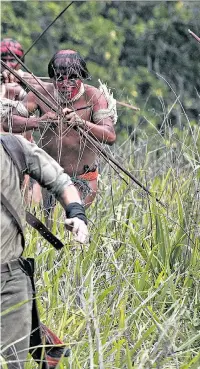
{"x": 6, "y": 106}
{"x": 20, "y": 72}
{"x": 111, "y": 110}
{"x": 2, "y": 90}
{"x": 22, "y": 94}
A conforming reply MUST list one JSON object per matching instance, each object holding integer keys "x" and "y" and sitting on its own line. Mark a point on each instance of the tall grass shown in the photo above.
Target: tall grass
{"x": 130, "y": 299}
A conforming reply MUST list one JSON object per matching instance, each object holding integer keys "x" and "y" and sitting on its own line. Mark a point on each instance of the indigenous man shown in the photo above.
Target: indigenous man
{"x": 12, "y": 92}
{"x": 13, "y": 45}
{"x": 68, "y": 70}
{"x": 16, "y": 288}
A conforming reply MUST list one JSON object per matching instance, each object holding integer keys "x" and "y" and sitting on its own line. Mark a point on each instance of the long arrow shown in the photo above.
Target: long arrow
{"x": 121, "y": 103}
{"x": 127, "y": 105}
{"x": 46, "y": 29}
{"x": 194, "y": 35}
{"x": 86, "y": 135}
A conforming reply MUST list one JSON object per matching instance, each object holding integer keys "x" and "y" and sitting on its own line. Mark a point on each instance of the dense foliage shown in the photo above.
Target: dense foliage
{"x": 141, "y": 49}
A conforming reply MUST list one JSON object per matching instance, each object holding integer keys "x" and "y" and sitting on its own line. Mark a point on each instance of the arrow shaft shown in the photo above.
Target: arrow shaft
{"x": 194, "y": 35}
{"x": 127, "y": 105}
{"x": 46, "y": 29}
{"x": 86, "y": 135}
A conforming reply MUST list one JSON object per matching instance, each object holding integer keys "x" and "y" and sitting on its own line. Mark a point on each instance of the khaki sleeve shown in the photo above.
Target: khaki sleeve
{"x": 44, "y": 169}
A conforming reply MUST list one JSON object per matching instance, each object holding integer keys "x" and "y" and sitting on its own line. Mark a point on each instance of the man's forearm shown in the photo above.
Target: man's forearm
{"x": 21, "y": 124}
{"x": 71, "y": 202}
{"x": 103, "y": 133}
{"x": 70, "y": 194}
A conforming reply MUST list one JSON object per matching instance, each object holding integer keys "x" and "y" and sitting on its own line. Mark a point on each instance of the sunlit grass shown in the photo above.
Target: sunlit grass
{"x": 129, "y": 299}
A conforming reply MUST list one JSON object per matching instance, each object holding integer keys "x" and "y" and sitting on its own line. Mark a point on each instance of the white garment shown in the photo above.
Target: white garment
{"x": 111, "y": 110}
{"x": 6, "y": 106}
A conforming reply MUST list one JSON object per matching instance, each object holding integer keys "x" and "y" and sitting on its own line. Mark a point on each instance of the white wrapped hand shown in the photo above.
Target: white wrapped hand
{"x": 78, "y": 228}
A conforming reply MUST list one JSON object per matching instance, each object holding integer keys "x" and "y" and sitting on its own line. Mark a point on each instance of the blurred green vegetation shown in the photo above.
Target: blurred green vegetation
{"x": 129, "y": 45}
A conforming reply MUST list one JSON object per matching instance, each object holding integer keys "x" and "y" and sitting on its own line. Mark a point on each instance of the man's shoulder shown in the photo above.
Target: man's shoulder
{"x": 16, "y": 149}
{"x": 97, "y": 97}
{"x": 48, "y": 86}
{"x": 8, "y": 134}
{"x": 44, "y": 89}
{"x": 23, "y": 143}
{"x": 17, "y": 137}
{"x": 92, "y": 92}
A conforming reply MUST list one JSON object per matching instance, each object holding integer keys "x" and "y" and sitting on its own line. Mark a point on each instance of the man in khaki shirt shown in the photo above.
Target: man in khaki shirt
{"x": 16, "y": 289}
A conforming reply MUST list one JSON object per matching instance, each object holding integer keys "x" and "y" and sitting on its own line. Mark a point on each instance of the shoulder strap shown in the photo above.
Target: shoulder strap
{"x": 15, "y": 150}
{"x": 14, "y": 216}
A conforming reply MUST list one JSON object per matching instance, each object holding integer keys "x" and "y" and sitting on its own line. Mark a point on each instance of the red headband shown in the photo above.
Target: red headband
{"x": 14, "y": 46}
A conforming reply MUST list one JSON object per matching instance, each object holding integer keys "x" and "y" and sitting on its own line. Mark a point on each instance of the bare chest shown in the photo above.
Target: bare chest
{"x": 64, "y": 143}
{"x": 82, "y": 107}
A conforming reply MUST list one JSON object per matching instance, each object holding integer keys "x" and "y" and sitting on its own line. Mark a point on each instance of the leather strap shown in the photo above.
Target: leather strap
{"x": 34, "y": 222}
{"x": 43, "y": 230}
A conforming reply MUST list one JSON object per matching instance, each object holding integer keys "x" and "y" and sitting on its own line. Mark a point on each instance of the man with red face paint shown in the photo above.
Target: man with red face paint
{"x": 68, "y": 72}
{"x": 8, "y": 58}
{"x": 11, "y": 93}
{"x": 13, "y": 88}
{"x": 10, "y": 87}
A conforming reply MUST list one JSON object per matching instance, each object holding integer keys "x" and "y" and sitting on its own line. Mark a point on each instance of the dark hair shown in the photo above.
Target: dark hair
{"x": 71, "y": 64}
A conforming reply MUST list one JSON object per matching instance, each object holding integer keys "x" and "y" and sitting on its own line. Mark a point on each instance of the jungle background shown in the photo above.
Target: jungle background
{"x": 131, "y": 298}
{"x": 132, "y": 46}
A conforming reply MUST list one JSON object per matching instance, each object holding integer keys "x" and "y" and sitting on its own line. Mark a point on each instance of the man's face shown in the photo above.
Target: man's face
{"x": 68, "y": 86}
{"x": 11, "y": 62}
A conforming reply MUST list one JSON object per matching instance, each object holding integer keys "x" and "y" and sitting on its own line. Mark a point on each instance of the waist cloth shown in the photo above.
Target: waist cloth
{"x": 81, "y": 181}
